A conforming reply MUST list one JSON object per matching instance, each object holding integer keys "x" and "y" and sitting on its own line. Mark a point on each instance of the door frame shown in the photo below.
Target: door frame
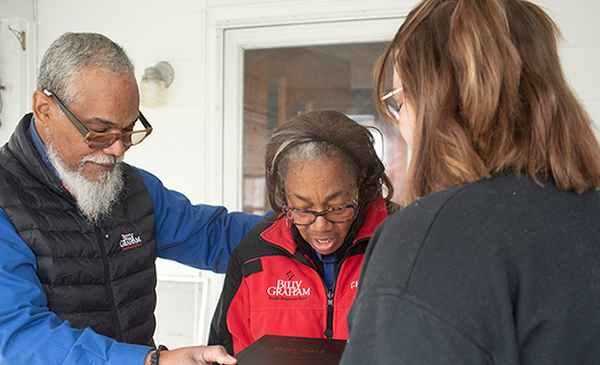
{"x": 229, "y": 35}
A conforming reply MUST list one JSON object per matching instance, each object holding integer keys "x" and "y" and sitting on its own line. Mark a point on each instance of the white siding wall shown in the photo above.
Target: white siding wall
{"x": 580, "y": 48}
{"x": 16, "y": 65}
{"x": 184, "y": 151}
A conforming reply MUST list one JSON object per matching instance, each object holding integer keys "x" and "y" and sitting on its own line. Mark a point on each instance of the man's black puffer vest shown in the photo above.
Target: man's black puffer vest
{"x": 102, "y": 276}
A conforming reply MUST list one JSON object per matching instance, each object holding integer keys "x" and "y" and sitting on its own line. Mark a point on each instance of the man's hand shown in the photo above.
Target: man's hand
{"x": 194, "y": 355}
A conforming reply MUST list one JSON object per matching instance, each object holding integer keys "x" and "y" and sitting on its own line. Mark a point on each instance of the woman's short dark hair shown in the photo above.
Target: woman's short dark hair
{"x": 326, "y": 134}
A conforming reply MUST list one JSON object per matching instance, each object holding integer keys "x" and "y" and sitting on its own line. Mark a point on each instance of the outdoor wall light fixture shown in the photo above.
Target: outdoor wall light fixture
{"x": 154, "y": 82}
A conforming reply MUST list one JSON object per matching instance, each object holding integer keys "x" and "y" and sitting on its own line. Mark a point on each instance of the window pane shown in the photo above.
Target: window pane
{"x": 283, "y": 82}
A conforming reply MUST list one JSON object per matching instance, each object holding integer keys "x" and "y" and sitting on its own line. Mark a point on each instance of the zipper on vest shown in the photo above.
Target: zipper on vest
{"x": 329, "y": 330}
{"x": 109, "y": 288}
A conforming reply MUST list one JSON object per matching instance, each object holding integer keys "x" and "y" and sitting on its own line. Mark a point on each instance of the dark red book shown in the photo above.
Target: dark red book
{"x": 284, "y": 350}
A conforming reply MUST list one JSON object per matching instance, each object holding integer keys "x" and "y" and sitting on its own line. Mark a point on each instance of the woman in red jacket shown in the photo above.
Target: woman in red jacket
{"x": 297, "y": 274}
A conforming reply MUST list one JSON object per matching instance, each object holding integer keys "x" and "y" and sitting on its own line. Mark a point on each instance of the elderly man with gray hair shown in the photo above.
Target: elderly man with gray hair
{"x": 80, "y": 230}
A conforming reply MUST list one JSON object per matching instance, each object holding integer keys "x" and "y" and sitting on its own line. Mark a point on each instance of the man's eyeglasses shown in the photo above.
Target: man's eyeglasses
{"x": 392, "y": 103}
{"x": 100, "y": 140}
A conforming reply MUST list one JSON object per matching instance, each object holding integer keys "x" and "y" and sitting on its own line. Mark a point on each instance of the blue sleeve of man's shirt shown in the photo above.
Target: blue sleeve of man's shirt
{"x": 29, "y": 332}
{"x": 202, "y": 236}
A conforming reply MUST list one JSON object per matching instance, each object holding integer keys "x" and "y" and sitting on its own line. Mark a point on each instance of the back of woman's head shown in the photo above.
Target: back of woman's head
{"x": 490, "y": 96}
{"x": 325, "y": 134}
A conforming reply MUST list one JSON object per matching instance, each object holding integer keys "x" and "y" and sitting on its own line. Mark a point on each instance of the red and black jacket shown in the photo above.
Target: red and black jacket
{"x": 274, "y": 285}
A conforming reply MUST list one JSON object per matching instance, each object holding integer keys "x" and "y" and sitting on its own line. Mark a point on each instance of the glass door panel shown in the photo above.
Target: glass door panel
{"x": 280, "y": 83}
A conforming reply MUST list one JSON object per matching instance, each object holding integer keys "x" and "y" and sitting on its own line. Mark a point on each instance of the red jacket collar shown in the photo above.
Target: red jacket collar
{"x": 280, "y": 233}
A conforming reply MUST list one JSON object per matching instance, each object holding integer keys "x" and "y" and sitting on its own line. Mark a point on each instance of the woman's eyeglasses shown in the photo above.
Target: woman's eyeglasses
{"x": 341, "y": 214}
{"x": 101, "y": 140}
{"x": 301, "y": 217}
{"x": 392, "y": 103}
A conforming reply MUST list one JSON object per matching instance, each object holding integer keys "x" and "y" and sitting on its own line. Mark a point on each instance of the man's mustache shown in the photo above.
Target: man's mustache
{"x": 103, "y": 159}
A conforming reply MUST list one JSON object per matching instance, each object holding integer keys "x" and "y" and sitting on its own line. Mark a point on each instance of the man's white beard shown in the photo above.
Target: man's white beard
{"x": 94, "y": 198}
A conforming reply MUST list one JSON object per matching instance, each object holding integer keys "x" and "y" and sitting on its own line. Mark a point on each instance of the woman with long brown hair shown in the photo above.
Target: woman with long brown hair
{"x": 496, "y": 257}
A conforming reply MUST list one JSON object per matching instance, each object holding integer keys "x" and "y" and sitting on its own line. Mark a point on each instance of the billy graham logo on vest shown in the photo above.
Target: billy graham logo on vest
{"x": 129, "y": 240}
{"x": 288, "y": 289}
